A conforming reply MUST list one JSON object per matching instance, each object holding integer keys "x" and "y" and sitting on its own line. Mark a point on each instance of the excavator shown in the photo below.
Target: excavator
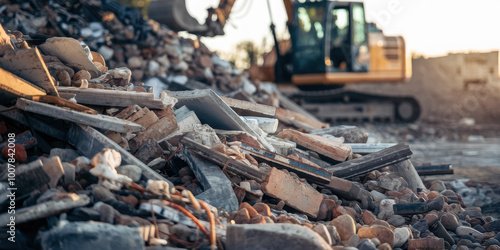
{"x": 331, "y": 46}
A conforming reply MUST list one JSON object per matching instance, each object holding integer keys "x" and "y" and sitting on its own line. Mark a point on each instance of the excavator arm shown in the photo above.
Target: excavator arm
{"x": 174, "y": 14}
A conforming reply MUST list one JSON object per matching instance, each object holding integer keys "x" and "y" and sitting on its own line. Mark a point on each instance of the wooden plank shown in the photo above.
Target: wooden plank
{"x": 287, "y": 116}
{"x": 368, "y": 148}
{"x": 222, "y": 160}
{"x": 90, "y": 142}
{"x": 68, "y": 50}
{"x": 17, "y": 86}
{"x": 332, "y": 149}
{"x": 372, "y": 162}
{"x": 98, "y": 121}
{"x": 57, "y": 131}
{"x": 282, "y": 162}
{"x": 113, "y": 98}
{"x": 29, "y": 65}
{"x": 5, "y": 44}
{"x": 434, "y": 169}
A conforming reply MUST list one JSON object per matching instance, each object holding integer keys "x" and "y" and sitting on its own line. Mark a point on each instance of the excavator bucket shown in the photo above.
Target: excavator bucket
{"x": 174, "y": 14}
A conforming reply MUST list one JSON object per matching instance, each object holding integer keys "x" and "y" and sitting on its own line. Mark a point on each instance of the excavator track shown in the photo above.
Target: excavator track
{"x": 341, "y": 105}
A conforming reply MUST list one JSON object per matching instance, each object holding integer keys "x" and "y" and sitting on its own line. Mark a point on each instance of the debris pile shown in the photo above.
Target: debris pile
{"x": 90, "y": 160}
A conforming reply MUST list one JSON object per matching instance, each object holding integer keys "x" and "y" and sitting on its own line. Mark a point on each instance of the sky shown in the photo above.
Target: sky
{"x": 430, "y": 27}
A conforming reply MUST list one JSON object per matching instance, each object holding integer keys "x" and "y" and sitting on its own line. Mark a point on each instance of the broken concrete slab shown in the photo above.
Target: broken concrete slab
{"x": 91, "y": 236}
{"x": 332, "y": 149}
{"x": 268, "y": 125}
{"x": 113, "y": 98}
{"x": 281, "y": 185}
{"x": 273, "y": 236}
{"x": 30, "y": 177}
{"x": 69, "y": 50}
{"x": 46, "y": 209}
{"x": 218, "y": 190}
{"x": 29, "y": 65}
{"x": 149, "y": 151}
{"x": 282, "y": 146}
{"x": 99, "y": 121}
{"x": 351, "y": 134}
{"x": 406, "y": 170}
{"x": 81, "y": 137}
{"x": 186, "y": 119}
{"x": 54, "y": 169}
{"x": 212, "y": 110}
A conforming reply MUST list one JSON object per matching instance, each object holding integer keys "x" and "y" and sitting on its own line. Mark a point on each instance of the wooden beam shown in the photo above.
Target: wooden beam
{"x": 332, "y": 149}
{"x": 29, "y": 65}
{"x": 57, "y": 131}
{"x": 246, "y": 108}
{"x": 371, "y": 162}
{"x": 222, "y": 160}
{"x": 368, "y": 148}
{"x": 98, "y": 121}
{"x": 113, "y": 98}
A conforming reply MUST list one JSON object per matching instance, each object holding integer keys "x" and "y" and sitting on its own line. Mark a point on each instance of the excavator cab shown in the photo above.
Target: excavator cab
{"x": 332, "y": 44}
{"x": 329, "y": 37}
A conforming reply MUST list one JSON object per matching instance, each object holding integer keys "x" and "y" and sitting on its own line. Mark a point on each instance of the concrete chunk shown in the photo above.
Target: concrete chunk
{"x": 218, "y": 190}
{"x": 273, "y": 236}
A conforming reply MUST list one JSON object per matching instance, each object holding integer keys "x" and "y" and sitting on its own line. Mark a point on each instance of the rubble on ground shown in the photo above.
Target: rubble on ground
{"x": 110, "y": 164}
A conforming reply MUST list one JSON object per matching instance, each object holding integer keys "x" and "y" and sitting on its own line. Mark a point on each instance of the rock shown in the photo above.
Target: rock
{"x": 334, "y": 234}
{"x": 449, "y": 221}
{"x": 491, "y": 242}
{"x": 250, "y": 209}
{"x": 464, "y": 230}
{"x": 368, "y": 217}
{"x": 401, "y": 236}
{"x": 273, "y": 236}
{"x": 493, "y": 247}
{"x": 426, "y": 243}
{"x": 383, "y": 234}
{"x": 431, "y": 217}
{"x": 345, "y": 226}
{"x": 436, "y": 204}
{"x": 386, "y": 209}
{"x": 132, "y": 171}
{"x": 385, "y": 246}
{"x": 353, "y": 241}
{"x": 263, "y": 209}
{"x": 381, "y": 223}
{"x": 493, "y": 226}
{"x": 480, "y": 228}
{"x": 65, "y": 154}
{"x": 325, "y": 209}
{"x": 421, "y": 226}
{"x": 323, "y": 232}
{"x": 366, "y": 244}
{"x": 242, "y": 216}
{"x": 351, "y": 134}
{"x": 396, "y": 220}
{"x": 437, "y": 185}
{"x": 101, "y": 193}
{"x": 91, "y": 236}
{"x": 465, "y": 242}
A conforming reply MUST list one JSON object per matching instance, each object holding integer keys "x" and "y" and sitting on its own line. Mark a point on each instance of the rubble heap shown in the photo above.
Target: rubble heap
{"x": 91, "y": 161}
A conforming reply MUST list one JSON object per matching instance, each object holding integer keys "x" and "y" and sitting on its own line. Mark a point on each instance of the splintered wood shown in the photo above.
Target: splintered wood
{"x": 324, "y": 146}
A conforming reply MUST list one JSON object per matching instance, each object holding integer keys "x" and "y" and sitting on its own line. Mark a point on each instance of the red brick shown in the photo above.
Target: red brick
{"x": 137, "y": 115}
{"x": 159, "y": 130}
{"x": 426, "y": 243}
{"x": 293, "y": 192}
{"x": 127, "y": 112}
{"x": 148, "y": 119}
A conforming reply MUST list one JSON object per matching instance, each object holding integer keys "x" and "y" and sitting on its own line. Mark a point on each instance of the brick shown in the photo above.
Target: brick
{"x": 148, "y": 119}
{"x": 127, "y": 112}
{"x": 293, "y": 192}
{"x": 149, "y": 151}
{"x": 159, "y": 130}
{"x": 324, "y": 146}
{"x": 137, "y": 115}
